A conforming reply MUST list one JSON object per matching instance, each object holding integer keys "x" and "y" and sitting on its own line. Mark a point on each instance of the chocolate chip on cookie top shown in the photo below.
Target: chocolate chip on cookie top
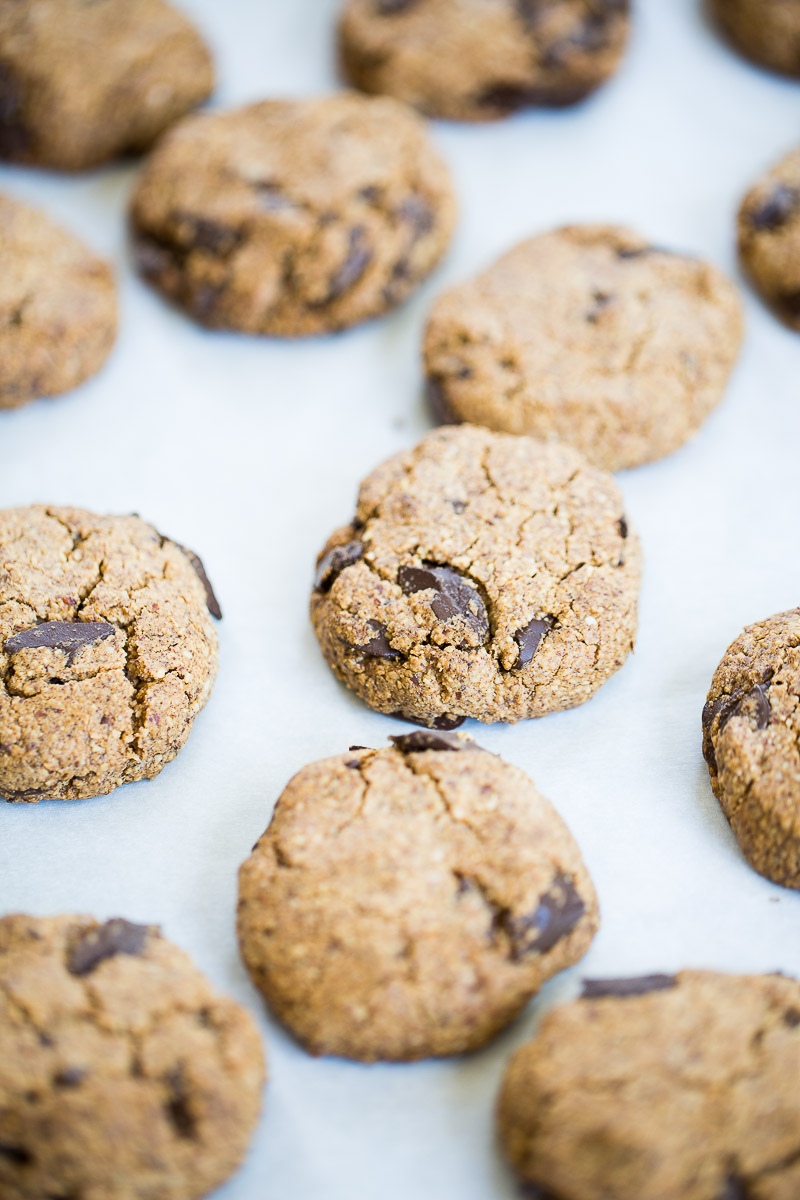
{"x": 483, "y": 575}
{"x": 293, "y": 217}
{"x": 769, "y": 237}
{"x": 588, "y": 334}
{"x": 407, "y": 902}
{"x": 107, "y": 651}
{"x": 123, "y": 1074}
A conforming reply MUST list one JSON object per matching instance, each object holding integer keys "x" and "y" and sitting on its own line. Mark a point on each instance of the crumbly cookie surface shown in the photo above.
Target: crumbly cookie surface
{"x": 107, "y": 651}
{"x": 767, "y": 31}
{"x": 769, "y": 236}
{"x": 407, "y": 902}
{"x": 591, "y": 335}
{"x": 293, "y": 217}
{"x": 123, "y": 1074}
{"x": 664, "y": 1088}
{"x": 474, "y": 60}
{"x": 58, "y": 307}
{"x": 82, "y": 81}
{"x": 483, "y": 576}
{"x": 751, "y": 742}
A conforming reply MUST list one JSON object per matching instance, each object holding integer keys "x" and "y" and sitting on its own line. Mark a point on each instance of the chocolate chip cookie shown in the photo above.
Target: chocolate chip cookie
{"x": 123, "y": 1074}
{"x": 293, "y": 217}
{"x": 751, "y": 742}
{"x": 767, "y": 31}
{"x": 58, "y": 308}
{"x": 769, "y": 237}
{"x": 589, "y": 334}
{"x": 107, "y": 651}
{"x": 676, "y": 1087}
{"x": 407, "y": 902}
{"x": 82, "y": 81}
{"x": 484, "y": 576}
{"x": 474, "y": 61}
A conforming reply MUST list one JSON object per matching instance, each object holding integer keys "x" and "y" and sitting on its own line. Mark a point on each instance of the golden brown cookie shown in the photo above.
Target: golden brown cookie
{"x": 107, "y": 651}
{"x": 679, "y": 1087}
{"x": 751, "y": 742}
{"x": 769, "y": 237}
{"x": 293, "y": 217}
{"x": 474, "y": 60}
{"x": 407, "y": 902}
{"x": 591, "y": 335}
{"x": 58, "y": 307}
{"x": 482, "y": 576}
{"x": 123, "y": 1074}
{"x": 766, "y": 31}
{"x": 82, "y": 81}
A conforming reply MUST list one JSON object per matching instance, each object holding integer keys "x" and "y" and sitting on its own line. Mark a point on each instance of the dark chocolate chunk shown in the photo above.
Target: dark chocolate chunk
{"x": 734, "y": 1188}
{"x": 416, "y": 210}
{"x": 387, "y": 8}
{"x": 635, "y": 251}
{"x": 211, "y": 600}
{"x": 593, "y": 33}
{"x": 776, "y": 210}
{"x": 530, "y": 636}
{"x": 507, "y": 98}
{"x": 178, "y": 1106}
{"x": 790, "y": 303}
{"x": 334, "y": 562}
{"x": 273, "y": 198}
{"x": 117, "y": 936}
{"x": 14, "y": 137}
{"x": 70, "y": 1077}
{"x": 153, "y": 258}
{"x": 792, "y": 1017}
{"x": 753, "y": 704}
{"x": 378, "y": 646}
{"x": 16, "y": 1154}
{"x": 455, "y": 598}
{"x": 438, "y": 403}
{"x": 622, "y": 526}
{"x": 359, "y": 256}
{"x": 600, "y": 302}
{"x": 458, "y": 505}
{"x": 414, "y": 743}
{"x": 535, "y": 1191}
{"x": 635, "y": 986}
{"x": 558, "y": 912}
{"x": 442, "y": 722}
{"x": 204, "y": 234}
{"x": 68, "y": 636}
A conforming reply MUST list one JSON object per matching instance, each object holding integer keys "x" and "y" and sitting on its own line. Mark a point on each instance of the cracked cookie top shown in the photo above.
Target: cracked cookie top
{"x": 123, "y": 1074}
{"x": 769, "y": 234}
{"x": 588, "y": 334}
{"x": 751, "y": 742}
{"x": 58, "y": 307}
{"x": 107, "y": 651}
{"x": 293, "y": 217}
{"x": 676, "y": 1087}
{"x": 483, "y": 576}
{"x": 407, "y": 902}
{"x": 476, "y": 61}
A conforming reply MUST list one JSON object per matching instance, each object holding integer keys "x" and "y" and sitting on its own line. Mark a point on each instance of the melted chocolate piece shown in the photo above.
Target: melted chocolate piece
{"x": 417, "y": 211}
{"x": 438, "y": 402}
{"x": 638, "y": 251}
{"x": 754, "y": 705}
{"x": 95, "y": 945}
{"x": 530, "y": 636}
{"x": 734, "y": 1188}
{"x": 15, "y": 1154}
{"x": 217, "y": 239}
{"x": 622, "y": 526}
{"x": 334, "y": 562}
{"x": 414, "y": 743}
{"x": 359, "y": 256}
{"x": 387, "y": 8}
{"x": 535, "y": 1191}
{"x": 635, "y": 986}
{"x": 14, "y": 137}
{"x": 455, "y": 597}
{"x": 790, "y": 303}
{"x": 600, "y": 302}
{"x": 558, "y": 912}
{"x": 70, "y": 1077}
{"x": 441, "y": 722}
{"x": 776, "y": 210}
{"x": 272, "y": 196}
{"x": 211, "y": 600}
{"x": 378, "y": 646}
{"x": 792, "y": 1017}
{"x": 507, "y": 98}
{"x": 178, "y": 1108}
{"x": 153, "y": 257}
{"x": 69, "y": 636}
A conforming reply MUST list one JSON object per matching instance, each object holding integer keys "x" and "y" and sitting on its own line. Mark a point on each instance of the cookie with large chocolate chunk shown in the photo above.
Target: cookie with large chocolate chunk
{"x": 58, "y": 307}
{"x": 474, "y": 61}
{"x": 123, "y": 1074}
{"x": 766, "y": 31}
{"x": 591, "y": 335}
{"x": 84, "y": 82}
{"x": 107, "y": 651}
{"x": 664, "y": 1088}
{"x": 751, "y": 742}
{"x": 482, "y": 576}
{"x": 293, "y": 217}
{"x": 769, "y": 237}
{"x": 407, "y": 902}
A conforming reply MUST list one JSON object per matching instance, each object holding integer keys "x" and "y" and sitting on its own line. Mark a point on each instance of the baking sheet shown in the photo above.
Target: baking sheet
{"x": 251, "y": 451}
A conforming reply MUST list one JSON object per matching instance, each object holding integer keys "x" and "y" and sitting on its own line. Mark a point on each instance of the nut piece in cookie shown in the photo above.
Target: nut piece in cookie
{"x": 666, "y": 1087}
{"x": 591, "y": 335}
{"x": 406, "y": 903}
{"x": 765, "y": 31}
{"x": 293, "y": 217}
{"x": 751, "y": 735}
{"x": 478, "y": 62}
{"x": 107, "y": 651}
{"x": 482, "y": 576}
{"x": 82, "y": 82}
{"x": 123, "y": 1074}
{"x": 769, "y": 237}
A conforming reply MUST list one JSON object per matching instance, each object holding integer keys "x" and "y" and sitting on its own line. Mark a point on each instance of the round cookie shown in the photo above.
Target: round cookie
{"x": 123, "y": 1074}
{"x": 58, "y": 307}
{"x": 482, "y": 576}
{"x": 107, "y": 651}
{"x": 84, "y": 82}
{"x": 769, "y": 237}
{"x": 407, "y": 902}
{"x": 661, "y": 1088}
{"x": 476, "y": 61}
{"x": 591, "y": 335}
{"x": 293, "y": 217}
{"x": 751, "y": 742}
{"x": 766, "y": 31}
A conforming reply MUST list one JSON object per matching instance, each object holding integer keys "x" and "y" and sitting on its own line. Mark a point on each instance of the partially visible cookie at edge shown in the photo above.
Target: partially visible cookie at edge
{"x": 769, "y": 237}
{"x": 407, "y": 902}
{"x": 765, "y": 31}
